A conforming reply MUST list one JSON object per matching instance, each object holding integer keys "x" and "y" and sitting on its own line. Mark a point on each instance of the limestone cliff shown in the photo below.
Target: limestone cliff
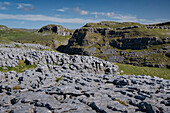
{"x": 97, "y": 38}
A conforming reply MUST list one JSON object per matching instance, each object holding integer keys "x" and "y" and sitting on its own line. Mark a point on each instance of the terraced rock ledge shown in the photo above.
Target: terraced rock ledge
{"x": 75, "y": 84}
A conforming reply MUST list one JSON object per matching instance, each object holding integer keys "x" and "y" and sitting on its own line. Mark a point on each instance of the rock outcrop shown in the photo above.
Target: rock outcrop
{"x": 63, "y": 83}
{"x": 157, "y": 27}
{"x": 60, "y": 30}
{"x": 129, "y": 27}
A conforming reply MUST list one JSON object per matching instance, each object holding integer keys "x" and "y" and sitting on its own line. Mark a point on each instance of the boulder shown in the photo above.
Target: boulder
{"x": 29, "y": 61}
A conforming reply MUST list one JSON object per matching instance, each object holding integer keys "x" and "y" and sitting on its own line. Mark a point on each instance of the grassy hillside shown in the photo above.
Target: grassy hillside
{"x": 134, "y": 32}
{"x": 135, "y": 70}
{"x": 110, "y": 24}
{"x": 143, "y": 32}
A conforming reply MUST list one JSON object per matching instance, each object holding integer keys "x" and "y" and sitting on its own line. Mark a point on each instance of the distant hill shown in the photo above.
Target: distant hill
{"x": 27, "y": 30}
{"x": 2, "y": 27}
{"x": 22, "y": 35}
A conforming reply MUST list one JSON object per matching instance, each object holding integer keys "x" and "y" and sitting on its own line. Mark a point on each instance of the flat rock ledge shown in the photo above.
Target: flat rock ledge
{"x": 24, "y": 45}
{"x": 76, "y": 84}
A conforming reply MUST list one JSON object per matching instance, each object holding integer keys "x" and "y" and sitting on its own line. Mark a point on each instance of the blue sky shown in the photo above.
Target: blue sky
{"x": 75, "y": 13}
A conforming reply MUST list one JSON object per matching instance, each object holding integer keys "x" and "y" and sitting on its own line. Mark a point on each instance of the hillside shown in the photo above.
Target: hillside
{"x": 127, "y": 42}
{"x": 47, "y": 38}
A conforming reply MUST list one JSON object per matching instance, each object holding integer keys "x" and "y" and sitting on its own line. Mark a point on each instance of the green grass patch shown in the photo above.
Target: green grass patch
{"x": 21, "y": 67}
{"x": 17, "y": 46}
{"x": 135, "y": 70}
{"x": 59, "y": 78}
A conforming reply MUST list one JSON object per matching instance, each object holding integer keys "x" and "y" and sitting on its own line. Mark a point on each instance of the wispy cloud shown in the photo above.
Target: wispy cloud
{"x": 146, "y": 21}
{"x": 4, "y": 5}
{"x": 62, "y": 10}
{"x": 111, "y": 15}
{"x": 45, "y": 18}
{"x": 80, "y": 11}
{"x": 25, "y": 7}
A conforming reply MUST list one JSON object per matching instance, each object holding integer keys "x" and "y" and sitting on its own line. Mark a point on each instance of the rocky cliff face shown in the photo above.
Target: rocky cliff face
{"x": 96, "y": 39}
{"x": 117, "y": 39}
{"x": 60, "y": 30}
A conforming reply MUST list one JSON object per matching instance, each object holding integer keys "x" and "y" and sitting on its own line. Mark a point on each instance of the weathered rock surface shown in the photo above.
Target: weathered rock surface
{"x": 11, "y": 56}
{"x": 63, "y": 83}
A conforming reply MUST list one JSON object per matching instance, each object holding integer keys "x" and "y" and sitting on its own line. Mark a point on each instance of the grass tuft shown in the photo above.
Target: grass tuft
{"x": 16, "y": 88}
{"x": 121, "y": 102}
{"x": 59, "y": 78}
{"x": 21, "y": 67}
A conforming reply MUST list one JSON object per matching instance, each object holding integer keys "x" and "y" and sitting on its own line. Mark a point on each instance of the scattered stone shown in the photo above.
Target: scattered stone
{"x": 116, "y": 58}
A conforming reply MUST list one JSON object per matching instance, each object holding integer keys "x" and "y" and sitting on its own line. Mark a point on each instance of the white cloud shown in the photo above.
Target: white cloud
{"x": 62, "y": 10}
{"x": 25, "y": 7}
{"x": 45, "y": 18}
{"x": 4, "y": 5}
{"x": 80, "y": 11}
